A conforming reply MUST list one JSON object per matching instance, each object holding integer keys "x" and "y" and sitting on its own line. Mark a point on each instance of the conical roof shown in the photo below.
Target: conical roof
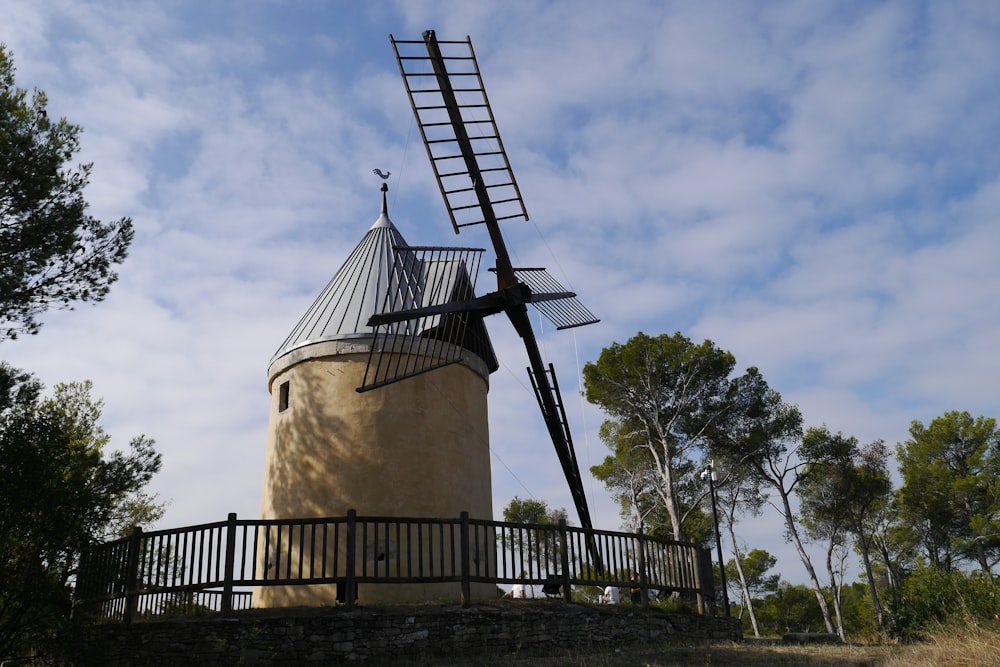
{"x": 385, "y": 274}
{"x": 356, "y": 292}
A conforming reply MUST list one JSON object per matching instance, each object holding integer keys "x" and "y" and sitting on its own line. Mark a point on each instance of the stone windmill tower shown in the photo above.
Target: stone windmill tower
{"x": 414, "y": 449}
{"x": 417, "y": 446}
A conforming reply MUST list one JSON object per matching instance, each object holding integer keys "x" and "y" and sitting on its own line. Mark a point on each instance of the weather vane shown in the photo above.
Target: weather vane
{"x": 384, "y": 176}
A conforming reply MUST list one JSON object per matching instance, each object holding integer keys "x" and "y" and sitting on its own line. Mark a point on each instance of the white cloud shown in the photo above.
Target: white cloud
{"x": 811, "y": 186}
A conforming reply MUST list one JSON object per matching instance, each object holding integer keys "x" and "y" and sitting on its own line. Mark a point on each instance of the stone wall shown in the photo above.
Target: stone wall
{"x": 333, "y": 635}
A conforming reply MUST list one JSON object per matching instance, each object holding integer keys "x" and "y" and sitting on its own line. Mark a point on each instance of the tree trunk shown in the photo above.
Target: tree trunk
{"x": 794, "y": 534}
{"x": 984, "y": 563}
{"x": 669, "y": 492}
{"x": 743, "y": 582}
{"x": 881, "y": 540}
{"x": 977, "y": 541}
{"x": 835, "y": 589}
{"x": 876, "y": 601}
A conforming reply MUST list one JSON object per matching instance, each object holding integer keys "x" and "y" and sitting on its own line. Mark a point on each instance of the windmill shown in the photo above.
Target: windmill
{"x": 428, "y": 322}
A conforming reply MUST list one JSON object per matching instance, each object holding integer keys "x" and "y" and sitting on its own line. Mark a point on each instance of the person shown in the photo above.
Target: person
{"x": 633, "y": 588}
{"x": 611, "y": 595}
{"x": 517, "y": 591}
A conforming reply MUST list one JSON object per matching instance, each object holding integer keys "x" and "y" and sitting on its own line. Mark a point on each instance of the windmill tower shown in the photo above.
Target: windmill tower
{"x": 417, "y": 449}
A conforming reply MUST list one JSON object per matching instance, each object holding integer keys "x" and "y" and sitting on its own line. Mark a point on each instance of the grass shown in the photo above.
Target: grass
{"x": 744, "y": 654}
{"x": 955, "y": 646}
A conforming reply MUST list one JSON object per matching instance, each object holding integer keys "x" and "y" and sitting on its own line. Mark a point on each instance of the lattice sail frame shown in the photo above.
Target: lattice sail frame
{"x": 425, "y": 277}
{"x": 440, "y": 131}
{"x": 555, "y": 302}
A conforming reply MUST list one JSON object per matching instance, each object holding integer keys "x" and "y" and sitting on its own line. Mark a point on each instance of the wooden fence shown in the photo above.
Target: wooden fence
{"x": 202, "y": 568}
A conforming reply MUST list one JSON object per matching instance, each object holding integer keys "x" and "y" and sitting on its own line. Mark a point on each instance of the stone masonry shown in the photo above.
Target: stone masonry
{"x": 329, "y": 636}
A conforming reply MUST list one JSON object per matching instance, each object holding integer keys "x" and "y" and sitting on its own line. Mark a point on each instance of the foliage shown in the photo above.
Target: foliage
{"x": 790, "y": 608}
{"x": 933, "y": 596}
{"x": 183, "y": 604}
{"x": 52, "y": 254}
{"x": 528, "y": 544}
{"x": 671, "y": 604}
{"x": 631, "y": 476}
{"x": 534, "y": 511}
{"x": 738, "y": 496}
{"x": 895, "y": 547}
{"x": 793, "y": 608}
{"x": 844, "y": 493}
{"x": 765, "y": 435}
{"x": 664, "y": 397}
{"x": 60, "y": 491}
{"x": 756, "y": 565}
{"x": 951, "y": 489}
{"x": 671, "y": 405}
{"x": 858, "y": 614}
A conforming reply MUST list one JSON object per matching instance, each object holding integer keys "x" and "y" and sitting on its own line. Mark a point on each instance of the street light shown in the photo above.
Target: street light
{"x": 709, "y": 472}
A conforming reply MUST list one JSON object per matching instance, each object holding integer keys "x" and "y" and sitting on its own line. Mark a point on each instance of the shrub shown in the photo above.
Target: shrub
{"x": 673, "y": 605}
{"x": 932, "y": 597}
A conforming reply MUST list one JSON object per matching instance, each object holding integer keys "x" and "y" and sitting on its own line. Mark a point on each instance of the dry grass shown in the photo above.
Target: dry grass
{"x": 950, "y": 647}
{"x": 728, "y": 654}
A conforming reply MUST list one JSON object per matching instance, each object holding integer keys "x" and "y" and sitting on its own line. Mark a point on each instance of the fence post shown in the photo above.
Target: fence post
{"x": 80, "y": 590}
{"x": 466, "y": 583}
{"x": 564, "y": 557}
{"x": 707, "y": 577}
{"x": 132, "y": 575}
{"x": 643, "y": 570}
{"x": 227, "y": 582}
{"x": 350, "y": 581}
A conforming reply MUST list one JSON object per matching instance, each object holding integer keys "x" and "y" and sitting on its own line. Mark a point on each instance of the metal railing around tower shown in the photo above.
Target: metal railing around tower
{"x": 207, "y": 568}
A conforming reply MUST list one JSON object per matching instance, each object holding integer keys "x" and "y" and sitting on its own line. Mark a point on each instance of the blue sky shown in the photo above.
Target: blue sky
{"x": 813, "y": 186}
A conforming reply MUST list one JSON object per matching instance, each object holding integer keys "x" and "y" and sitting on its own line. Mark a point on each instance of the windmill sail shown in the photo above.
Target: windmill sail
{"x": 478, "y": 186}
{"x": 461, "y": 135}
{"x": 423, "y": 324}
{"x": 555, "y": 302}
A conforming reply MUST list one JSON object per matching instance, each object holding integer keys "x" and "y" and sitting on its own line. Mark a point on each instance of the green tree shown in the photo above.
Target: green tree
{"x": 61, "y": 490}
{"x": 836, "y": 549}
{"x": 933, "y": 597}
{"x": 664, "y": 396}
{"x": 520, "y": 510}
{"x": 823, "y": 495}
{"x": 765, "y": 435}
{"x": 736, "y": 496}
{"x": 631, "y": 475}
{"x": 630, "y": 478}
{"x": 750, "y": 573}
{"x": 845, "y": 494}
{"x": 896, "y": 546}
{"x": 790, "y": 608}
{"x": 755, "y": 565}
{"x": 858, "y": 615}
{"x": 536, "y": 543}
{"x": 951, "y": 488}
{"x": 52, "y": 254}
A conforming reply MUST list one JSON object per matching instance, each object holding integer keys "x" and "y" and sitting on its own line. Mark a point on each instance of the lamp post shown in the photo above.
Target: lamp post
{"x": 709, "y": 472}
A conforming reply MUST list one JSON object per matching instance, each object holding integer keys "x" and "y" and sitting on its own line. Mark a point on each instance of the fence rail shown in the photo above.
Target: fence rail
{"x": 200, "y": 568}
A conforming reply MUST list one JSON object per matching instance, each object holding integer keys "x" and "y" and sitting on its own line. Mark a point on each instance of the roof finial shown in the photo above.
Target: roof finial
{"x": 385, "y": 188}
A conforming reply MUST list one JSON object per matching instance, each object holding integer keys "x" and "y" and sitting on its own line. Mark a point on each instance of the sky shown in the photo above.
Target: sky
{"x": 812, "y": 186}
